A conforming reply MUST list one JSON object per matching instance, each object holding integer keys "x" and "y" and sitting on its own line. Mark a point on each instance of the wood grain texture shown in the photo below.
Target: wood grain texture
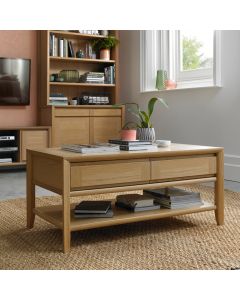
{"x": 182, "y": 167}
{"x": 33, "y": 139}
{"x": 30, "y": 192}
{"x": 109, "y": 173}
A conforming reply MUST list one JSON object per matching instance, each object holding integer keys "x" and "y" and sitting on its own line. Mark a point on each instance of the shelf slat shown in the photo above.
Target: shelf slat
{"x": 81, "y": 84}
{"x": 81, "y": 60}
{"x": 68, "y": 34}
{"x": 53, "y": 214}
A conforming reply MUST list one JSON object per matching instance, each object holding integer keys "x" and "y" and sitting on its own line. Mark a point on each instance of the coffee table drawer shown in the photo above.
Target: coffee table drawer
{"x": 110, "y": 173}
{"x": 182, "y": 167}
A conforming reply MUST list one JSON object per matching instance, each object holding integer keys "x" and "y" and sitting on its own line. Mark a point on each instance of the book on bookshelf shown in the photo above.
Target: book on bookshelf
{"x": 94, "y": 148}
{"x": 6, "y": 160}
{"x": 7, "y": 138}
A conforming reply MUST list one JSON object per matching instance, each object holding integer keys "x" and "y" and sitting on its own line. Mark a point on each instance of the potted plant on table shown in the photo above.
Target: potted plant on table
{"x": 104, "y": 45}
{"x": 129, "y": 132}
{"x": 145, "y": 130}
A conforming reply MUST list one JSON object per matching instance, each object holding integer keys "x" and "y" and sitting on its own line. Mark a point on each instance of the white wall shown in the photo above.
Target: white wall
{"x": 207, "y": 116}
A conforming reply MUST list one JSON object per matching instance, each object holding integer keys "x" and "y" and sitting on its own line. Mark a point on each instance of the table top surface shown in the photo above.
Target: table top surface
{"x": 173, "y": 150}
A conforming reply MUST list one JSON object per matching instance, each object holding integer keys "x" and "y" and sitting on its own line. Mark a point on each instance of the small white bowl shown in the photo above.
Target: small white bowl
{"x": 163, "y": 143}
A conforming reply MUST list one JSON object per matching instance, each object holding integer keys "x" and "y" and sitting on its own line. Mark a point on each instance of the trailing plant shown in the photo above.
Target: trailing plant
{"x": 105, "y": 43}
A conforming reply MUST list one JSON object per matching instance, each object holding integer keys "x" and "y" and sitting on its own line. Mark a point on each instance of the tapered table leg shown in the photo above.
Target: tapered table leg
{"x": 30, "y": 192}
{"x": 66, "y": 207}
{"x": 219, "y": 189}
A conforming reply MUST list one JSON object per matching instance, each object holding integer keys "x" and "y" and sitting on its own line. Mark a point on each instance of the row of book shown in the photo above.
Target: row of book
{"x": 60, "y": 47}
{"x": 109, "y": 74}
{"x": 170, "y": 198}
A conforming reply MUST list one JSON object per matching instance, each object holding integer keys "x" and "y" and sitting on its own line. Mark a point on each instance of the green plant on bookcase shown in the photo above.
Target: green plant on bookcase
{"x": 104, "y": 45}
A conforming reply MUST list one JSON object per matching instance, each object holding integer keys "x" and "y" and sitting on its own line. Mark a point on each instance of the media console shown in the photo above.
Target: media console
{"x": 15, "y": 141}
{"x": 72, "y": 174}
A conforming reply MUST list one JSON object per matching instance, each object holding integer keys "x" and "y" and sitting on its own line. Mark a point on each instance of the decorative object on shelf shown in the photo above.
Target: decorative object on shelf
{"x": 161, "y": 79}
{"x": 103, "y": 46}
{"x": 69, "y": 75}
{"x": 94, "y": 98}
{"x": 170, "y": 84}
{"x": 73, "y": 101}
{"x": 104, "y": 32}
{"x": 80, "y": 54}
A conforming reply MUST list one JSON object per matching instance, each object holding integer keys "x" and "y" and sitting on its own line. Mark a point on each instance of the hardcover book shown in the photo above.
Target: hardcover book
{"x": 92, "y": 207}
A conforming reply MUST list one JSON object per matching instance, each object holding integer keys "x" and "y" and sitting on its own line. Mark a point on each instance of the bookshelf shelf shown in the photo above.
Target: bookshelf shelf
{"x": 81, "y": 84}
{"x": 81, "y": 60}
{"x": 75, "y": 35}
{"x": 53, "y": 214}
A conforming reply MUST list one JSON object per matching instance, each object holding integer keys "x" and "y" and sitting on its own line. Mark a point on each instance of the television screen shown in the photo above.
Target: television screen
{"x": 15, "y": 81}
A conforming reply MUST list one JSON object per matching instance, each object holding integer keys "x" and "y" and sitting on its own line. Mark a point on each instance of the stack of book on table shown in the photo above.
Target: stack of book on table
{"x": 136, "y": 202}
{"x": 93, "y": 209}
{"x": 175, "y": 198}
{"x": 134, "y": 145}
{"x": 95, "y": 148}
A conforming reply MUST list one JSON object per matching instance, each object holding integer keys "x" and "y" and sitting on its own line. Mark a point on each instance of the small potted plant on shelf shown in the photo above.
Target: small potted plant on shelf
{"x": 145, "y": 130}
{"x": 104, "y": 45}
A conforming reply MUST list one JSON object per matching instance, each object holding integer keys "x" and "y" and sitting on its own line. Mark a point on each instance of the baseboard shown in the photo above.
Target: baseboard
{"x": 232, "y": 167}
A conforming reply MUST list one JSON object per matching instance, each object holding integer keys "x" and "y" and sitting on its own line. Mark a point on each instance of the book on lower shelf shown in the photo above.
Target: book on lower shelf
{"x": 93, "y": 209}
{"x": 137, "y": 202}
{"x": 94, "y": 148}
{"x": 8, "y": 149}
{"x": 175, "y": 198}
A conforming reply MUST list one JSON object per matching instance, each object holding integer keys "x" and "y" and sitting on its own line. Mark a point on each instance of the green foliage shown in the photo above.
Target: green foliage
{"x": 144, "y": 118}
{"x": 191, "y": 56}
{"x": 106, "y": 43}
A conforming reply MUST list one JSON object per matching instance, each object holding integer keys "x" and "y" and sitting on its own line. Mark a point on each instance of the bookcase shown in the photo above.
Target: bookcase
{"x": 77, "y": 123}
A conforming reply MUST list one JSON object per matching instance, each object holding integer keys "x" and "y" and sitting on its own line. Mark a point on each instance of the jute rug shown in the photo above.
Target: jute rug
{"x": 187, "y": 242}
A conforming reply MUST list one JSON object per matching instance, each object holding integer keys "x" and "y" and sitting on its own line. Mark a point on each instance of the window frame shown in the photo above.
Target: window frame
{"x": 164, "y": 56}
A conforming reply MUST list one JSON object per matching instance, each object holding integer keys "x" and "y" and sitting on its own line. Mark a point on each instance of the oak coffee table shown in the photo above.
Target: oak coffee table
{"x": 72, "y": 174}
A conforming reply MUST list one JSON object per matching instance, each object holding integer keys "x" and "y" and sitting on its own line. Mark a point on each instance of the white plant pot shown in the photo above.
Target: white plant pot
{"x": 146, "y": 134}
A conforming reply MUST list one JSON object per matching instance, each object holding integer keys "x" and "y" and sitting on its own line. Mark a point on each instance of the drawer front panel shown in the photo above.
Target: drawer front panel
{"x": 109, "y": 173}
{"x": 71, "y": 112}
{"x": 182, "y": 167}
{"x": 106, "y": 112}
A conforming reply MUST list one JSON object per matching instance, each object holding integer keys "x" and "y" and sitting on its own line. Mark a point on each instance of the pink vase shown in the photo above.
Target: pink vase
{"x": 128, "y": 134}
{"x": 105, "y": 54}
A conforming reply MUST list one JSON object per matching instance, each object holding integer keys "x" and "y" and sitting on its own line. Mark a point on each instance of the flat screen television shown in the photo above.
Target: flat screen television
{"x": 15, "y": 81}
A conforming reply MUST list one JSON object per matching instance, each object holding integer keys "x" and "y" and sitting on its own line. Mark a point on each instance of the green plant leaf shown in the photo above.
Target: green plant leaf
{"x": 152, "y": 103}
{"x": 145, "y": 116}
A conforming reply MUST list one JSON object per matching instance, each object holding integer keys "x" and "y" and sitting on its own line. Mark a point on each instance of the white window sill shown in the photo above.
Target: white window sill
{"x": 186, "y": 86}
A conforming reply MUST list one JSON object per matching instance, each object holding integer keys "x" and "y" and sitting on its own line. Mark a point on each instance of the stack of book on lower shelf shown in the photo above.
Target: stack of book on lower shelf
{"x": 58, "y": 99}
{"x": 175, "y": 198}
{"x": 95, "y": 148}
{"x": 136, "y": 145}
{"x": 93, "y": 209}
{"x": 137, "y": 202}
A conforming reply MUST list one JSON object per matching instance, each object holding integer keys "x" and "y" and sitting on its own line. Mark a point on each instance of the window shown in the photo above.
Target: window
{"x": 190, "y": 58}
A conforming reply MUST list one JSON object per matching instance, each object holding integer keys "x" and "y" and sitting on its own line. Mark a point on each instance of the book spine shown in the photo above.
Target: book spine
{"x": 60, "y": 50}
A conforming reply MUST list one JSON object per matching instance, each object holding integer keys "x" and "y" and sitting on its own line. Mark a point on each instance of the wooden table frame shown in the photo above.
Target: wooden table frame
{"x": 70, "y": 174}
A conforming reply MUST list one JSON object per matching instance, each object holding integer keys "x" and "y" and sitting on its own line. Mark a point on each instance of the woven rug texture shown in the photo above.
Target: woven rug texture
{"x": 189, "y": 242}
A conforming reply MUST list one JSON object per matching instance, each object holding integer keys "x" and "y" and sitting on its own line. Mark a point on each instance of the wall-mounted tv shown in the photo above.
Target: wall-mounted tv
{"x": 15, "y": 81}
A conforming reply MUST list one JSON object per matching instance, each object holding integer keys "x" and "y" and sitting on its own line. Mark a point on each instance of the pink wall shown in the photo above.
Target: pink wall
{"x": 22, "y": 44}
